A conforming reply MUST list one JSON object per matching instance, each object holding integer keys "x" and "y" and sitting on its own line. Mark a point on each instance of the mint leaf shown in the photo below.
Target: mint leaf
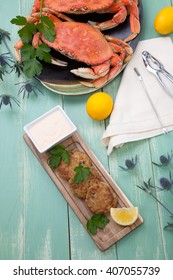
{"x": 96, "y": 221}
{"x": 58, "y": 153}
{"x": 82, "y": 174}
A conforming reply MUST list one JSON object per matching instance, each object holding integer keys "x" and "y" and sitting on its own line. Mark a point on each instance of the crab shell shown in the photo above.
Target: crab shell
{"x": 71, "y": 6}
{"x": 118, "y": 8}
{"x": 81, "y": 42}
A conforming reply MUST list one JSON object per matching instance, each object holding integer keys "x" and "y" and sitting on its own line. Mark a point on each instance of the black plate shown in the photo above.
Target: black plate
{"x": 60, "y": 79}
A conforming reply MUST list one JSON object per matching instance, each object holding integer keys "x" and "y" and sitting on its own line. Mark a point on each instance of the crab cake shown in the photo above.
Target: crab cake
{"x": 100, "y": 198}
{"x": 81, "y": 189}
{"x": 76, "y": 158}
{"x": 64, "y": 169}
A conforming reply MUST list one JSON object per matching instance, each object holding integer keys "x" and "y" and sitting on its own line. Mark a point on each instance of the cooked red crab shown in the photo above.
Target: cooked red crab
{"x": 82, "y": 42}
{"x": 119, "y": 8}
{"x": 104, "y": 55}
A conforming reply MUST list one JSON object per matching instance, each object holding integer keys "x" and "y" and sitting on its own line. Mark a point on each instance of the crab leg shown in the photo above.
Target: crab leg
{"x": 120, "y": 47}
{"x": 134, "y": 21}
{"x": 117, "y": 66}
{"x": 121, "y": 8}
{"x": 17, "y": 46}
{"x": 118, "y": 18}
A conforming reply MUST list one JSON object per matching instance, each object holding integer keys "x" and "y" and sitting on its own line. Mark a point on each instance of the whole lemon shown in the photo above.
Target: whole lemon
{"x": 163, "y": 22}
{"x": 99, "y": 105}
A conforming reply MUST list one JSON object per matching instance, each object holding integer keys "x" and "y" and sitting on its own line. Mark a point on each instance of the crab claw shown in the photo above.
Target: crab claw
{"x": 58, "y": 62}
{"x": 86, "y": 73}
{"x": 93, "y": 73}
{"x": 101, "y": 81}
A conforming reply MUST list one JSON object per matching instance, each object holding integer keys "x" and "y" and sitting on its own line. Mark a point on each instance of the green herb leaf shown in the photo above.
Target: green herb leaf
{"x": 46, "y": 27}
{"x": 26, "y": 33}
{"x": 47, "y": 22}
{"x": 27, "y": 52}
{"x": 100, "y": 220}
{"x": 54, "y": 161}
{"x": 31, "y": 64}
{"x": 32, "y": 67}
{"x": 49, "y": 34}
{"x": 82, "y": 174}
{"x": 96, "y": 221}
{"x": 58, "y": 153}
{"x": 43, "y": 53}
{"x": 91, "y": 227}
{"x": 19, "y": 20}
{"x": 31, "y": 57}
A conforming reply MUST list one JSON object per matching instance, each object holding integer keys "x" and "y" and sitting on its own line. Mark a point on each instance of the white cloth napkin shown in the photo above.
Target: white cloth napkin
{"x": 132, "y": 117}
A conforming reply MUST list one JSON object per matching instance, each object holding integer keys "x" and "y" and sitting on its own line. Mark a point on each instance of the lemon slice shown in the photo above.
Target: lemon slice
{"x": 124, "y": 216}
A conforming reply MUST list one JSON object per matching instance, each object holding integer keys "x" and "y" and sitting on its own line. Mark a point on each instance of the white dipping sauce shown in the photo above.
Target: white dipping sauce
{"x": 50, "y": 129}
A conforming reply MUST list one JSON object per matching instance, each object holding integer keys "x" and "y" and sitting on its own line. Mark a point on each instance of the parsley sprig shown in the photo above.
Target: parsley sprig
{"x": 82, "y": 174}
{"x": 96, "y": 221}
{"x": 30, "y": 55}
{"x": 57, "y": 154}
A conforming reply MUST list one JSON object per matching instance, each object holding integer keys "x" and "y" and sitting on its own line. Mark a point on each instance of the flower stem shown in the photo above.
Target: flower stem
{"x": 171, "y": 191}
{"x": 41, "y": 7}
{"x": 7, "y": 47}
{"x": 161, "y": 204}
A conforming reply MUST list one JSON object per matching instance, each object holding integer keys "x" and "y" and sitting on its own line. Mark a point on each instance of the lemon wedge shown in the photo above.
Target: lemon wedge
{"x": 124, "y": 216}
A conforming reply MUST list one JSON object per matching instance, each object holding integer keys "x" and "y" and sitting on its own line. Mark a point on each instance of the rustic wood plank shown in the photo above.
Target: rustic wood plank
{"x": 112, "y": 232}
{"x": 31, "y": 222}
{"x": 163, "y": 146}
{"x": 11, "y": 197}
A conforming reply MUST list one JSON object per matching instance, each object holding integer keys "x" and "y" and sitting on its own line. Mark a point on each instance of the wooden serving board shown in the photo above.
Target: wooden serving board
{"x": 112, "y": 232}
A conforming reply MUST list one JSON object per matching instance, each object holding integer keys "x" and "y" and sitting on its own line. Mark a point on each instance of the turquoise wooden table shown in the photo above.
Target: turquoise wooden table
{"x": 35, "y": 220}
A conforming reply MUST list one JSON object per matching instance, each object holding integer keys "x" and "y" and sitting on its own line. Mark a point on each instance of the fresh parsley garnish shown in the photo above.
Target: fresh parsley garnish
{"x": 27, "y": 31}
{"x": 31, "y": 56}
{"x": 96, "y": 221}
{"x": 57, "y": 154}
{"x": 46, "y": 27}
{"x": 82, "y": 174}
